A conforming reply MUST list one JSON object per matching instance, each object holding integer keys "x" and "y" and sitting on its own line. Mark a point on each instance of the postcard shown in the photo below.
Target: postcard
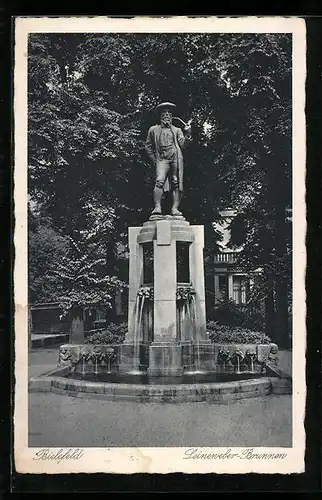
{"x": 160, "y": 222}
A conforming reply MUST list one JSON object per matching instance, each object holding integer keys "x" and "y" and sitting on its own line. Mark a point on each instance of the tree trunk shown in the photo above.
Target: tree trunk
{"x": 283, "y": 339}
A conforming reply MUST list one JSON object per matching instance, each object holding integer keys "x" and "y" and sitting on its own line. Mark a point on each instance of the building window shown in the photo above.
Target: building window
{"x": 240, "y": 285}
{"x": 223, "y": 287}
{"x": 100, "y": 314}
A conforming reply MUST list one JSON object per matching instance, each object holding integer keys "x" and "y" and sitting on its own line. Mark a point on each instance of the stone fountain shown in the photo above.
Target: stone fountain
{"x": 167, "y": 335}
{"x": 166, "y": 351}
{"x": 166, "y": 355}
{"x": 166, "y": 320}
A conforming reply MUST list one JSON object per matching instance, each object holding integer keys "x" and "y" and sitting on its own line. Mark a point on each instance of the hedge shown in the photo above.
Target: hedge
{"x": 235, "y": 335}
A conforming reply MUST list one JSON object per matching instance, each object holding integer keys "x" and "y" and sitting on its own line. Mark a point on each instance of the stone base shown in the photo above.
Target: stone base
{"x": 166, "y": 217}
{"x": 133, "y": 358}
{"x": 170, "y": 359}
{"x": 165, "y": 359}
{"x": 187, "y": 356}
{"x": 203, "y": 355}
{"x": 150, "y": 393}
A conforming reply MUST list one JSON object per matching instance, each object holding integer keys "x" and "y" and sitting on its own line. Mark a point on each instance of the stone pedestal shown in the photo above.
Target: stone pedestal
{"x": 196, "y": 262}
{"x": 165, "y": 273}
{"x": 170, "y": 351}
{"x": 135, "y": 279}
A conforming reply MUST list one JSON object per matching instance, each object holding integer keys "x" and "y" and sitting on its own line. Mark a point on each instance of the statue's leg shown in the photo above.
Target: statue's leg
{"x": 176, "y": 194}
{"x": 162, "y": 168}
{"x": 176, "y": 198}
{"x": 157, "y": 193}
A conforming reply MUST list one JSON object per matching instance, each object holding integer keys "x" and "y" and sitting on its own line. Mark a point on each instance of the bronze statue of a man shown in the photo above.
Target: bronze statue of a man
{"x": 164, "y": 146}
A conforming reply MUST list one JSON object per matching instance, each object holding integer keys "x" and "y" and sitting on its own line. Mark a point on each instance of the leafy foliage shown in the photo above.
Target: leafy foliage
{"x": 90, "y": 103}
{"x": 235, "y": 335}
{"x": 245, "y": 316}
{"x": 70, "y": 270}
{"x": 113, "y": 334}
{"x": 46, "y": 248}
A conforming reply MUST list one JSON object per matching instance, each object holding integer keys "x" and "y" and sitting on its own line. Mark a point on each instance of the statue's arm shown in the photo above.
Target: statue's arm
{"x": 149, "y": 146}
{"x": 185, "y": 137}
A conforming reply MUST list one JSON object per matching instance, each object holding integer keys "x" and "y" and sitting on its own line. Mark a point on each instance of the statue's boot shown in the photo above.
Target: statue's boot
{"x": 156, "y": 211}
{"x": 176, "y": 212}
{"x": 175, "y": 204}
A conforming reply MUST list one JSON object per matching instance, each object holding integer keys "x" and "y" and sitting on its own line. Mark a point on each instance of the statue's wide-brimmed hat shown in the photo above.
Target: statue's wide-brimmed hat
{"x": 165, "y": 105}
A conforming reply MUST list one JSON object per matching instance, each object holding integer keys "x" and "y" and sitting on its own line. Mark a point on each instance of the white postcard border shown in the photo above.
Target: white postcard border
{"x": 159, "y": 460}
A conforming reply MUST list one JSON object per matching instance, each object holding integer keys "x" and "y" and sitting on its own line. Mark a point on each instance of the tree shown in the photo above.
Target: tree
{"x": 71, "y": 270}
{"x": 46, "y": 247}
{"x": 90, "y": 99}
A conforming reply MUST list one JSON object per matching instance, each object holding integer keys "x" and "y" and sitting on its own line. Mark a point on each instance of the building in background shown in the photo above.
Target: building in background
{"x": 230, "y": 281}
{"x": 49, "y": 318}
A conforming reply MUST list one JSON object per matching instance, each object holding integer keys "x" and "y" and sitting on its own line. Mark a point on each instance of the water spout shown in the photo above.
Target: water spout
{"x": 192, "y": 320}
{"x": 182, "y": 320}
{"x": 140, "y": 299}
{"x": 249, "y": 361}
{"x": 141, "y": 313}
{"x": 136, "y": 335}
{"x": 193, "y": 315}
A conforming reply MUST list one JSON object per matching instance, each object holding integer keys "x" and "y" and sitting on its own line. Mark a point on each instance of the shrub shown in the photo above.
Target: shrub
{"x": 243, "y": 316}
{"x": 235, "y": 335}
{"x": 112, "y": 334}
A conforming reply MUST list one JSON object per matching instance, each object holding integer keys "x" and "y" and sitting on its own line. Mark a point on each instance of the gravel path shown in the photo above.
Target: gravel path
{"x": 58, "y": 420}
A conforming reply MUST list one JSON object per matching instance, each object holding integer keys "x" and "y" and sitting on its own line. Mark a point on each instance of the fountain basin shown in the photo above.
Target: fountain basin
{"x": 237, "y": 371}
{"x": 60, "y": 382}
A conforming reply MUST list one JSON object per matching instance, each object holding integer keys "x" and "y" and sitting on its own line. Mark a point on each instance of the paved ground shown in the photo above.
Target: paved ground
{"x": 42, "y": 360}
{"x": 58, "y": 420}
{"x": 285, "y": 361}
